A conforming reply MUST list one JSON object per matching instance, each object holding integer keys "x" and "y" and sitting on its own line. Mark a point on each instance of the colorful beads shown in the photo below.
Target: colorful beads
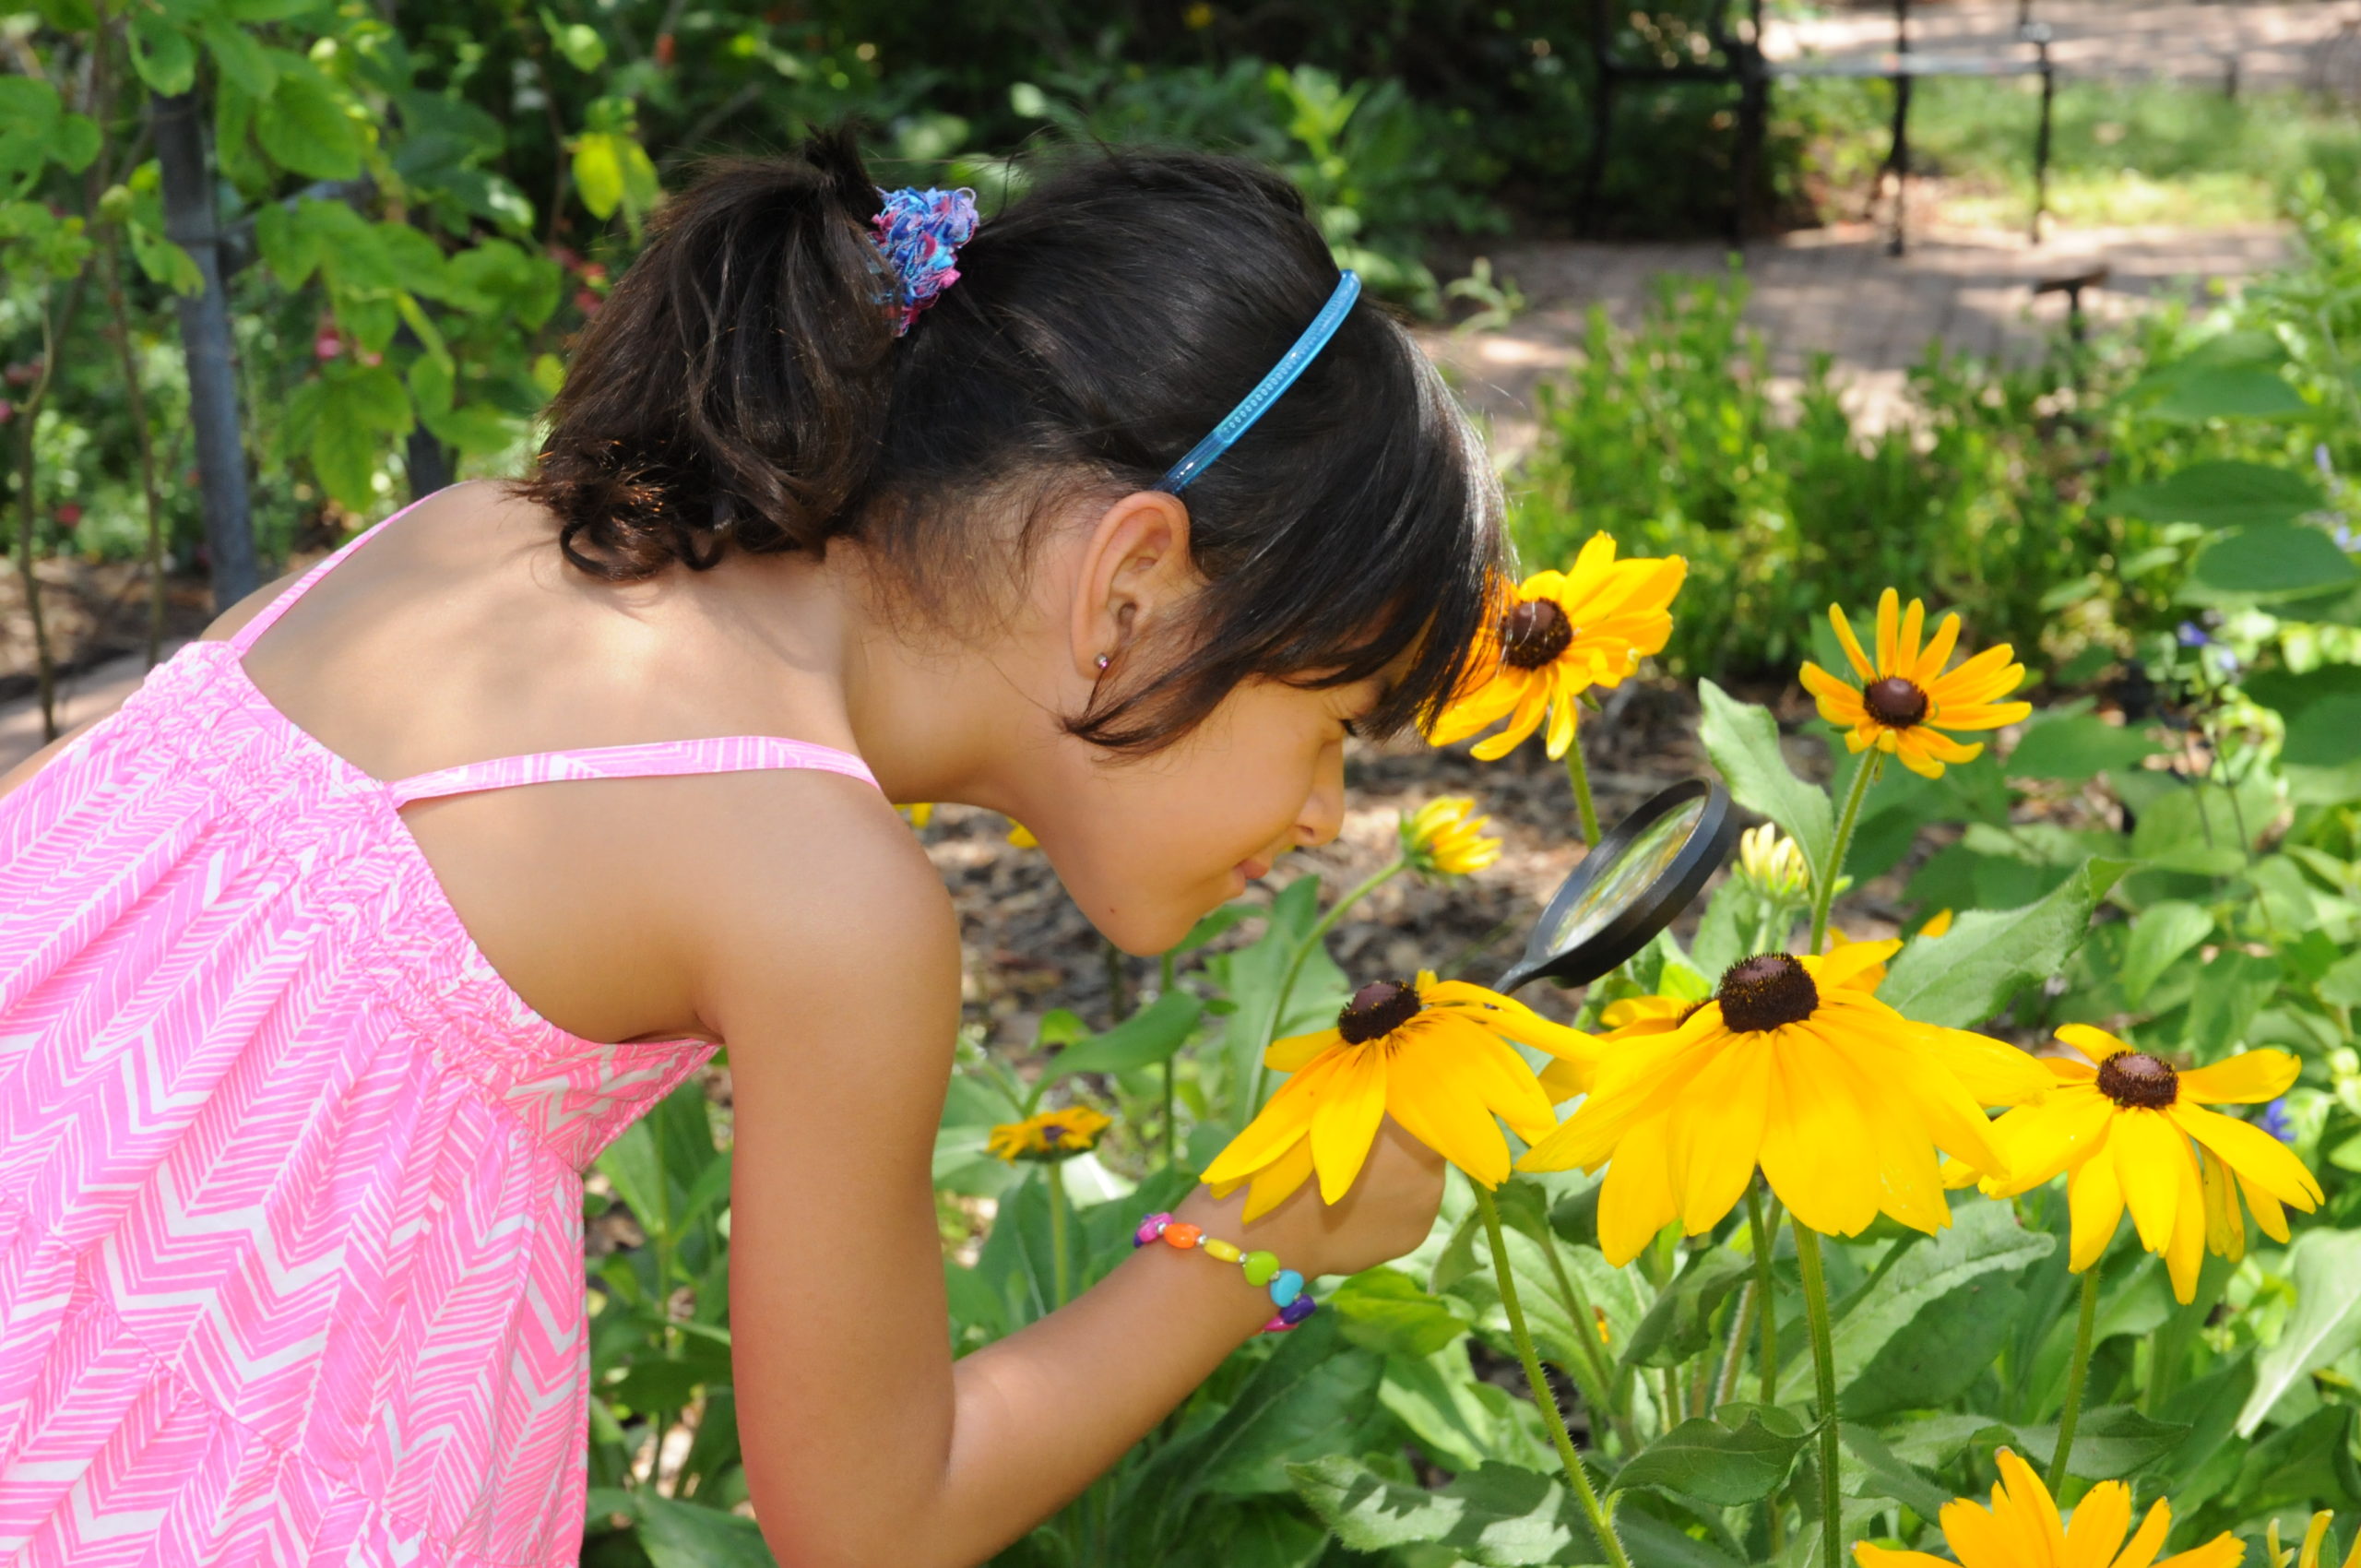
{"x": 1261, "y": 1269}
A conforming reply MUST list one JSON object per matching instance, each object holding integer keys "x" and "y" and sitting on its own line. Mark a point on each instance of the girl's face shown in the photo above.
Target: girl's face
{"x": 1147, "y": 847}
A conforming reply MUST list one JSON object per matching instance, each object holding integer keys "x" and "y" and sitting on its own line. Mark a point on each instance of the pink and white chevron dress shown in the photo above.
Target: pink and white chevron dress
{"x": 291, "y": 1206}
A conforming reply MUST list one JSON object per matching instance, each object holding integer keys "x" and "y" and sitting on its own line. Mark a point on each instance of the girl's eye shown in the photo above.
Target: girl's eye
{"x": 1352, "y": 728}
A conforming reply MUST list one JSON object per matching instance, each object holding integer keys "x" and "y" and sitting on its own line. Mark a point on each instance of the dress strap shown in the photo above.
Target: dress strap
{"x": 269, "y": 615}
{"x": 733, "y": 753}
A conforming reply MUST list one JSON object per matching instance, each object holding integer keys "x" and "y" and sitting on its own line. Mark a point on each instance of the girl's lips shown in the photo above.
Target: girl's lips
{"x": 1251, "y": 870}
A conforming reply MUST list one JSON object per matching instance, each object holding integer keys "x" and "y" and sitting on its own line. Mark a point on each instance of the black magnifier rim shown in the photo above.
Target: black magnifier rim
{"x": 1658, "y": 906}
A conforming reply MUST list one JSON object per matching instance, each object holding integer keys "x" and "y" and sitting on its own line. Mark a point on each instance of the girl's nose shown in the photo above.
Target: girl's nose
{"x": 1324, "y": 810}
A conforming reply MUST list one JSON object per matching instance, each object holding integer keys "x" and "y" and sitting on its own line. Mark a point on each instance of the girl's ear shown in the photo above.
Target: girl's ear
{"x": 1135, "y": 571}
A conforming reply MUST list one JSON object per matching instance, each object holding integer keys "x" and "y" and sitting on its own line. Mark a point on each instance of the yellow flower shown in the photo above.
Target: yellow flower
{"x": 1794, "y": 1066}
{"x": 1431, "y": 1054}
{"x": 1440, "y": 838}
{"x": 1022, "y": 835}
{"x": 2021, "y": 1529}
{"x": 1773, "y": 863}
{"x": 1904, "y": 702}
{"x": 917, "y": 815}
{"x": 2315, "y": 1538}
{"x": 2179, "y": 1167}
{"x": 1048, "y": 1134}
{"x": 1937, "y": 924}
{"x": 1561, "y": 633}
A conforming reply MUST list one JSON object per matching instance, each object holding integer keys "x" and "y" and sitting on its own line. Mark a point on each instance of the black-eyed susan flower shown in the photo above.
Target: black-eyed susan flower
{"x": 2315, "y": 1549}
{"x": 1440, "y": 838}
{"x": 2128, "y": 1130}
{"x": 1904, "y": 702}
{"x": 1558, "y": 634}
{"x": 1048, "y": 1134}
{"x": 1432, "y": 1055}
{"x": 2022, "y": 1529}
{"x": 1794, "y": 1067}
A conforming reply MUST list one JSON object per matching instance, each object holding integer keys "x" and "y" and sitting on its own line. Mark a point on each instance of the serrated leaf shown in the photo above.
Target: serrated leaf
{"x": 240, "y": 57}
{"x": 1717, "y": 1464}
{"x": 1679, "y": 1323}
{"x": 303, "y": 127}
{"x": 1384, "y": 1310}
{"x": 2109, "y": 1443}
{"x": 1498, "y": 1516}
{"x": 1887, "y": 1475}
{"x": 1990, "y": 955}
{"x": 2326, "y": 1323}
{"x": 2161, "y": 933}
{"x": 1743, "y": 740}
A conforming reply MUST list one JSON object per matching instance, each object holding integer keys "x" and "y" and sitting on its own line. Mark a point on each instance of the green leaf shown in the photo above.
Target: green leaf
{"x": 1213, "y": 926}
{"x": 680, "y": 1534}
{"x": 67, "y": 16}
{"x": 1679, "y": 1323}
{"x": 2230, "y": 991}
{"x": 290, "y": 246}
{"x": 1457, "y": 1419}
{"x": 1990, "y": 955}
{"x": 75, "y": 142}
{"x": 1384, "y": 1310}
{"x": 303, "y": 127}
{"x": 163, "y": 261}
{"x": 1717, "y": 1464}
{"x": 1743, "y": 741}
{"x": 2109, "y": 1443}
{"x": 2076, "y": 747}
{"x": 2307, "y": 1464}
{"x": 2230, "y": 392}
{"x": 1498, "y": 1516}
{"x": 1938, "y": 1353}
{"x": 2272, "y": 560}
{"x": 2326, "y": 1323}
{"x": 1146, "y": 1038}
{"x": 2161, "y": 933}
{"x": 2221, "y": 493}
{"x": 1886, "y": 1474}
{"x": 241, "y": 57}
{"x": 1983, "y": 1239}
{"x": 161, "y": 53}
{"x": 598, "y": 173}
{"x": 477, "y": 429}
{"x": 583, "y": 48}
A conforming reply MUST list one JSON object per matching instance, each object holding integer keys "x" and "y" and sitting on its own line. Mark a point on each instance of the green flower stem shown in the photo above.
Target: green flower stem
{"x": 1764, "y": 1233}
{"x": 1586, "y": 1321}
{"x": 1058, "y": 1279}
{"x": 1823, "y": 1362}
{"x": 2076, "y": 1372}
{"x": 1601, "y": 1524}
{"x": 1312, "y": 939}
{"x": 1578, "y": 774}
{"x": 1823, "y": 892}
{"x": 1172, "y": 1126}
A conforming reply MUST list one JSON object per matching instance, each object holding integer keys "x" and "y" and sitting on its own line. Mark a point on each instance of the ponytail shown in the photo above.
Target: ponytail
{"x": 733, "y": 388}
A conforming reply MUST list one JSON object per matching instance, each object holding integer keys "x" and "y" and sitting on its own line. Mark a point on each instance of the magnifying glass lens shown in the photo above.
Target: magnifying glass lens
{"x": 1632, "y": 875}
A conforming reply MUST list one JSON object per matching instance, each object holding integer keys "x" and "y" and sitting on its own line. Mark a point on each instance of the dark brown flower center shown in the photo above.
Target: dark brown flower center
{"x": 1765, "y": 991}
{"x": 1896, "y": 703}
{"x": 1534, "y": 634}
{"x": 2135, "y": 1080}
{"x": 1378, "y": 1008}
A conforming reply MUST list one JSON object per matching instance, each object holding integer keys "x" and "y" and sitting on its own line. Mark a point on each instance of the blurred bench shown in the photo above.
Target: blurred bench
{"x": 1736, "y": 59}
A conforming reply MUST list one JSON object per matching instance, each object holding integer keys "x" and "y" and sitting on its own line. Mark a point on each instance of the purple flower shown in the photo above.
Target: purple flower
{"x": 920, "y": 232}
{"x": 2321, "y": 461}
{"x": 2276, "y": 1122}
{"x": 2192, "y": 635}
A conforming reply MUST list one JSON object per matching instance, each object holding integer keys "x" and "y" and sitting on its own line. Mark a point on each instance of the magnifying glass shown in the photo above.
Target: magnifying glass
{"x": 1641, "y": 875}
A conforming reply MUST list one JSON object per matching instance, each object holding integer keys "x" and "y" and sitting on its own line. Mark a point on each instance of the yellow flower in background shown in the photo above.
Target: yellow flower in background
{"x": 2021, "y": 1529}
{"x": 1441, "y": 839}
{"x": 2315, "y": 1540}
{"x": 1022, "y": 835}
{"x": 1937, "y": 924}
{"x": 1558, "y": 635}
{"x": 1048, "y": 1134}
{"x": 1904, "y": 702}
{"x": 918, "y": 815}
{"x": 1431, "y": 1054}
{"x": 2133, "y": 1132}
{"x": 1793, "y": 1066}
{"x": 1773, "y": 863}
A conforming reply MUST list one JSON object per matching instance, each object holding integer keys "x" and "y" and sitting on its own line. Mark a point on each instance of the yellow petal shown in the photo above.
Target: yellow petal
{"x": 2150, "y": 1154}
{"x": 1636, "y": 1200}
{"x": 1295, "y": 1052}
{"x": 2266, "y": 1211}
{"x": 2225, "y": 1232}
{"x": 2100, "y": 1521}
{"x": 2252, "y": 1153}
{"x": 1817, "y": 1152}
{"x": 2250, "y": 1077}
{"x": 1905, "y": 654}
{"x": 1930, "y": 663}
{"x": 2149, "y": 1540}
{"x": 1717, "y": 1135}
{"x": 2186, "y": 1253}
{"x": 1285, "y": 1118}
{"x": 1889, "y": 623}
{"x": 2096, "y": 1044}
{"x": 2057, "y": 1135}
{"x": 1346, "y": 1122}
{"x": 2223, "y": 1550}
{"x": 2031, "y": 1501}
{"x": 1869, "y": 1556}
{"x": 1564, "y": 1080}
{"x": 1277, "y": 1182}
{"x": 1436, "y": 1107}
{"x": 2094, "y": 1198}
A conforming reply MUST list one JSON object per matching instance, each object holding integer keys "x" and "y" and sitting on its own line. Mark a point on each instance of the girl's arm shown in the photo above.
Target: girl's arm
{"x": 833, "y": 973}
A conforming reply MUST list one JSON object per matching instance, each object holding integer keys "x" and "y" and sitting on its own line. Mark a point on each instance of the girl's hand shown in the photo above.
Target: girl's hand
{"x": 1389, "y": 1211}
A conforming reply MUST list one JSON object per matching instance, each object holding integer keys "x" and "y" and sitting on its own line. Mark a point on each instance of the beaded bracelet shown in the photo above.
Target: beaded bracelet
{"x": 1261, "y": 1269}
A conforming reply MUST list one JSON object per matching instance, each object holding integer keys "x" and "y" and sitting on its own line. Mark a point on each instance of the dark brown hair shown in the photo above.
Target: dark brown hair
{"x": 742, "y": 387}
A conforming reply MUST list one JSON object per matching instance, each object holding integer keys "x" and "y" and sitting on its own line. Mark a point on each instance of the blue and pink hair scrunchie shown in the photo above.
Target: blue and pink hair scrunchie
{"x": 920, "y": 232}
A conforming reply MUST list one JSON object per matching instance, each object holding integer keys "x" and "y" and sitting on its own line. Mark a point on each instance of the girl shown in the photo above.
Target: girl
{"x": 310, "y": 1016}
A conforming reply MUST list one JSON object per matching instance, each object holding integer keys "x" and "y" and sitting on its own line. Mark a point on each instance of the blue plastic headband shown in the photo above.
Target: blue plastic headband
{"x": 1267, "y": 392}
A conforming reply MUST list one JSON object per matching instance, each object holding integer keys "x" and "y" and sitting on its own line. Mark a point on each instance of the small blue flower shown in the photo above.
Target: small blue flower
{"x": 2276, "y": 1122}
{"x": 2321, "y": 461}
{"x": 2192, "y": 635}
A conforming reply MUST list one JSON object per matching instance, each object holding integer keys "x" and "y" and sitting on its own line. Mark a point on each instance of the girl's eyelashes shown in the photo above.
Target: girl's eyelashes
{"x": 1352, "y": 728}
